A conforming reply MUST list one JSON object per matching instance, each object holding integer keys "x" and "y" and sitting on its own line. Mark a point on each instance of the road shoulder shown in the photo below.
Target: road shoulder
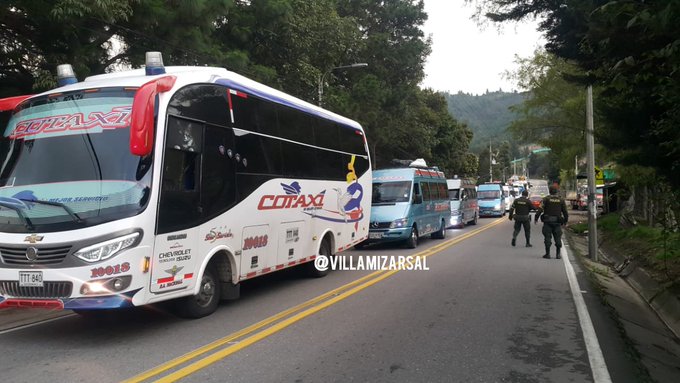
{"x": 651, "y": 343}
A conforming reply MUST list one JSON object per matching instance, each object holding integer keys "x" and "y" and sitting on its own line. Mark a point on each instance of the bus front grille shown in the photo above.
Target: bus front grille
{"x": 44, "y": 256}
{"x": 49, "y": 290}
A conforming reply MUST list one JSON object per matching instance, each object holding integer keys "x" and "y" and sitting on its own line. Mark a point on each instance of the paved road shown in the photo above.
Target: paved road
{"x": 484, "y": 312}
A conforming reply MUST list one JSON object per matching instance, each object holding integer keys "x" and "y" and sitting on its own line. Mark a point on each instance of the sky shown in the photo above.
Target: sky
{"x": 466, "y": 58}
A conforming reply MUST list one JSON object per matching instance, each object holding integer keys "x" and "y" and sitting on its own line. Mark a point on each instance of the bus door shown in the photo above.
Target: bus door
{"x": 197, "y": 186}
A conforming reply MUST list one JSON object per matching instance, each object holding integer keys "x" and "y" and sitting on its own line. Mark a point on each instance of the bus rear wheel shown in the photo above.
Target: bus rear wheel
{"x": 441, "y": 233}
{"x": 474, "y": 221}
{"x": 324, "y": 251}
{"x": 206, "y": 301}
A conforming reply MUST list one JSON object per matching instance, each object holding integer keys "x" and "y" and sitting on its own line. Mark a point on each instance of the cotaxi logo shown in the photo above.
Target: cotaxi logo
{"x": 292, "y": 199}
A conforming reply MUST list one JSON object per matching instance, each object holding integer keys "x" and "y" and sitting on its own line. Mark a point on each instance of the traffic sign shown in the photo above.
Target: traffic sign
{"x": 599, "y": 176}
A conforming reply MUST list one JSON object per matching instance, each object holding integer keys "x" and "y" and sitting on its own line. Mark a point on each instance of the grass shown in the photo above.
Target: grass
{"x": 652, "y": 245}
{"x": 579, "y": 228}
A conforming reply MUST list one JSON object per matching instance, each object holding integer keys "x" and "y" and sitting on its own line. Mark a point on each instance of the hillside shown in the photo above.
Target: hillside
{"x": 487, "y": 115}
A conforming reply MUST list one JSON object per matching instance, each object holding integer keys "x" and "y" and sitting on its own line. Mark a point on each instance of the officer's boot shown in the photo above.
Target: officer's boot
{"x": 547, "y": 252}
{"x": 557, "y": 254}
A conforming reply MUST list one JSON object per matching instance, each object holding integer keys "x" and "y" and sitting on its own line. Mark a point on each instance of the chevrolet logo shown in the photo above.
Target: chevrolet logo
{"x": 33, "y": 238}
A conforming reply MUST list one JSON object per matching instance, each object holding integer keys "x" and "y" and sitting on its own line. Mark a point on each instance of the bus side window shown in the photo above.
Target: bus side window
{"x": 218, "y": 192}
{"x": 425, "y": 186}
{"x": 443, "y": 192}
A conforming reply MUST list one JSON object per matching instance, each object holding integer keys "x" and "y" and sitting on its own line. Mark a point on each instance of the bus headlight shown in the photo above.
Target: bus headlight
{"x": 399, "y": 223}
{"x": 107, "y": 249}
{"x": 106, "y": 286}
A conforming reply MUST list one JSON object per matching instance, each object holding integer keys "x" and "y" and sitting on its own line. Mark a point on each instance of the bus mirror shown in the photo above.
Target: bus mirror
{"x": 417, "y": 199}
{"x": 144, "y": 114}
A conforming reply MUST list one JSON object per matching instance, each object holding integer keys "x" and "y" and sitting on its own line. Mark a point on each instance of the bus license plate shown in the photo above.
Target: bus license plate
{"x": 374, "y": 235}
{"x": 30, "y": 279}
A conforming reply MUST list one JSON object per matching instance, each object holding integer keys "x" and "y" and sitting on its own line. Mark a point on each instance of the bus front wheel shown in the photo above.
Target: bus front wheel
{"x": 412, "y": 241}
{"x": 206, "y": 301}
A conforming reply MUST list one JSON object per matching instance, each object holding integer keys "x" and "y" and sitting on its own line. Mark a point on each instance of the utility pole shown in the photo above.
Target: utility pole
{"x": 590, "y": 149}
{"x": 490, "y": 164}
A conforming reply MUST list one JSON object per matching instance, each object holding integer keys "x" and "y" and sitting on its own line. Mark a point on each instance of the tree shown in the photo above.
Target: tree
{"x": 631, "y": 51}
{"x": 286, "y": 44}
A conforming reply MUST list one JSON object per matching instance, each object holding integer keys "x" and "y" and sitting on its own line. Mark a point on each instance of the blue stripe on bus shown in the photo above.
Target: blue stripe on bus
{"x": 269, "y": 97}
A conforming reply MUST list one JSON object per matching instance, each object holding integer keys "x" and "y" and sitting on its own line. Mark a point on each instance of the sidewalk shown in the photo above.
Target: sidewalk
{"x": 649, "y": 316}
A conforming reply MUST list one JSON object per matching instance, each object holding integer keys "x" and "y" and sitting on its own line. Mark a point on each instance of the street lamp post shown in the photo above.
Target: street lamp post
{"x": 322, "y": 77}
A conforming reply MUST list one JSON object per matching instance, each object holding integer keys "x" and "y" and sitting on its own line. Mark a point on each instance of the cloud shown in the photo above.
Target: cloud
{"x": 466, "y": 58}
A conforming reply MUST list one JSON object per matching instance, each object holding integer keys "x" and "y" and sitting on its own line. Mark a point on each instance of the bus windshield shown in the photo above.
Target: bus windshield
{"x": 391, "y": 192}
{"x": 489, "y": 194}
{"x": 454, "y": 194}
{"x": 65, "y": 160}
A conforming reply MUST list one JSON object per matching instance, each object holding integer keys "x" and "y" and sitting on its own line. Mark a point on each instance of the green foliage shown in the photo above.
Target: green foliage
{"x": 631, "y": 51}
{"x": 579, "y": 228}
{"x": 488, "y": 115}
{"x": 287, "y": 44}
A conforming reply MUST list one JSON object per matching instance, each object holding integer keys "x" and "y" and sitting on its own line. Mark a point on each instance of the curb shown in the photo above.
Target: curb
{"x": 665, "y": 305}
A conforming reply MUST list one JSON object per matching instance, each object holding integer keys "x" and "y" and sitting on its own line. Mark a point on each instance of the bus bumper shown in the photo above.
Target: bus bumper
{"x": 87, "y": 303}
{"x": 388, "y": 235}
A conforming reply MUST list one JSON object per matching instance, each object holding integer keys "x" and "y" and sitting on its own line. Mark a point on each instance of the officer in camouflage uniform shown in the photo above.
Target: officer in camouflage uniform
{"x": 554, "y": 215}
{"x": 520, "y": 212}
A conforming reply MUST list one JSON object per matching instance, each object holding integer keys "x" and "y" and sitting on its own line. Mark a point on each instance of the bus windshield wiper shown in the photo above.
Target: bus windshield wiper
{"x": 27, "y": 221}
{"x": 59, "y": 204}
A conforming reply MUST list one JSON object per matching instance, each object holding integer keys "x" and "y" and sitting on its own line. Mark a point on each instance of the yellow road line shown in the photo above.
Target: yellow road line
{"x": 245, "y": 331}
{"x": 340, "y": 293}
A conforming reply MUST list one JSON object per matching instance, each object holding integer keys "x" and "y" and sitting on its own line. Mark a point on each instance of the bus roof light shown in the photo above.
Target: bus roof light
{"x": 154, "y": 63}
{"x": 66, "y": 75}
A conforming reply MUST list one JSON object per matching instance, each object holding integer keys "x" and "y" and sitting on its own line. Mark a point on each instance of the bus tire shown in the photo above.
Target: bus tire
{"x": 474, "y": 221}
{"x": 205, "y": 302}
{"x": 324, "y": 250}
{"x": 441, "y": 233}
{"x": 412, "y": 241}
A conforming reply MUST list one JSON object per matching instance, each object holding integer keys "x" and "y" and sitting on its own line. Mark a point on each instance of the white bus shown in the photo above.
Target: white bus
{"x": 170, "y": 183}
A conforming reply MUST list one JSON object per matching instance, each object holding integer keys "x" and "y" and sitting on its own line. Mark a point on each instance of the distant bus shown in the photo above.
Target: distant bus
{"x": 463, "y": 200}
{"x": 407, "y": 204}
{"x": 491, "y": 200}
{"x": 176, "y": 183}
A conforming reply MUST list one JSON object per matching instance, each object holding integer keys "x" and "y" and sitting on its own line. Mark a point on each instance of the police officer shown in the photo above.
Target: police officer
{"x": 520, "y": 212}
{"x": 553, "y": 214}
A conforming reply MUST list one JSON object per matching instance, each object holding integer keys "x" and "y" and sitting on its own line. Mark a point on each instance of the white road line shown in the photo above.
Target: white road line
{"x": 34, "y": 324}
{"x": 597, "y": 363}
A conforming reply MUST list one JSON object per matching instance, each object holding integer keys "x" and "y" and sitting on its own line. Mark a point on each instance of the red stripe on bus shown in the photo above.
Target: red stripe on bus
{"x": 266, "y": 269}
{"x": 250, "y": 275}
{"x": 166, "y": 280}
{"x": 279, "y": 267}
{"x": 188, "y": 276}
{"x": 291, "y": 263}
